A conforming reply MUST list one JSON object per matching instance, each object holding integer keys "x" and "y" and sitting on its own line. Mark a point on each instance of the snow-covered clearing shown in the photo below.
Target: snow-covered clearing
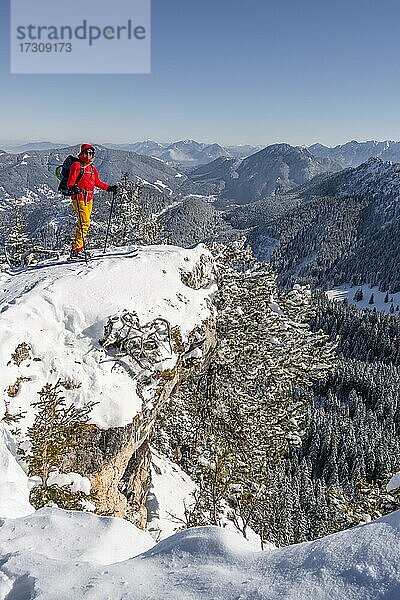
{"x": 159, "y": 184}
{"x": 347, "y": 292}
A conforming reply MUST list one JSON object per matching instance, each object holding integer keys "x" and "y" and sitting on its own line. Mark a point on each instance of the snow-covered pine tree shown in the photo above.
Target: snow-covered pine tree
{"x": 5, "y": 226}
{"x": 17, "y": 241}
{"x": 54, "y": 432}
{"x": 369, "y": 501}
{"x": 132, "y": 221}
{"x": 236, "y": 418}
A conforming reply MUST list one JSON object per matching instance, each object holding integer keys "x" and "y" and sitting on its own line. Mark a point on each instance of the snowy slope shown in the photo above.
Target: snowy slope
{"x": 57, "y": 554}
{"x": 14, "y": 484}
{"x": 60, "y": 311}
{"x": 375, "y": 178}
{"x": 170, "y": 491}
{"x": 347, "y": 292}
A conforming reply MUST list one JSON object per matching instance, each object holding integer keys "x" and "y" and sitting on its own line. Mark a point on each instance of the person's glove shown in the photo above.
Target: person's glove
{"x": 75, "y": 190}
{"x": 113, "y": 189}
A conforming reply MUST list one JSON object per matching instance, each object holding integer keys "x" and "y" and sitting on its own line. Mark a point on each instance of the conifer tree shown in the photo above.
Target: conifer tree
{"x": 18, "y": 241}
{"x": 133, "y": 223}
{"x": 244, "y": 409}
{"x": 54, "y": 432}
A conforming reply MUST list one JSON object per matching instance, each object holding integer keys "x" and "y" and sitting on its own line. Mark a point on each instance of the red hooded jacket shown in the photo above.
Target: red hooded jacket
{"x": 90, "y": 178}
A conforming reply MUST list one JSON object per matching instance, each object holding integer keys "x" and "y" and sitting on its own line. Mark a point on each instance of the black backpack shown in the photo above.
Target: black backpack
{"x": 62, "y": 172}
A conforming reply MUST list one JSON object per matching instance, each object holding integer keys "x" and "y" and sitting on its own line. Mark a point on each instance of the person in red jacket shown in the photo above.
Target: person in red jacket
{"x": 83, "y": 178}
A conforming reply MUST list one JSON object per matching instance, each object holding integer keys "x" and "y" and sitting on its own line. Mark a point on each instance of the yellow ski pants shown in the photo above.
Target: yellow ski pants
{"x": 83, "y": 210}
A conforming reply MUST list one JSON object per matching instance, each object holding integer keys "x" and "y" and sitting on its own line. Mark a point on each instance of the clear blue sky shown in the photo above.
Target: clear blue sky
{"x": 229, "y": 71}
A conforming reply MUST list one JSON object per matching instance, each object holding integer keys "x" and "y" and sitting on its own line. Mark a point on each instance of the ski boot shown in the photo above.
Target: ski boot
{"x": 78, "y": 255}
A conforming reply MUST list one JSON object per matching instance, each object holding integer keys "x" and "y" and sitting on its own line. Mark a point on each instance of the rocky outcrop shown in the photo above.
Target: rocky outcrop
{"x": 119, "y": 349}
{"x": 135, "y": 484}
{"x": 117, "y": 460}
{"x": 199, "y": 275}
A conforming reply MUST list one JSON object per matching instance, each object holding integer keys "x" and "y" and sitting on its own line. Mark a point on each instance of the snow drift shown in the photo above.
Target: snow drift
{"x": 57, "y": 554}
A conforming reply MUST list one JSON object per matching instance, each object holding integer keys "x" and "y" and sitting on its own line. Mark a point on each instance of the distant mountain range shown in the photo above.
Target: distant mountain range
{"x": 353, "y": 154}
{"x": 180, "y": 153}
{"x": 17, "y": 149}
{"x": 374, "y": 178}
{"x": 314, "y": 224}
{"x": 32, "y": 173}
{"x": 190, "y": 153}
{"x": 277, "y": 168}
{"x": 187, "y": 152}
{"x": 273, "y": 170}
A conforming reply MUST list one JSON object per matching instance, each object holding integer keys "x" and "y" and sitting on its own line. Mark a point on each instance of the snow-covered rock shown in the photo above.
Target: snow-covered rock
{"x": 60, "y": 311}
{"x": 51, "y": 320}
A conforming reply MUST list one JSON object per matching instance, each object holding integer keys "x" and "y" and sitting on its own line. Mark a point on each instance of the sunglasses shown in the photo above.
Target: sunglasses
{"x": 89, "y": 152}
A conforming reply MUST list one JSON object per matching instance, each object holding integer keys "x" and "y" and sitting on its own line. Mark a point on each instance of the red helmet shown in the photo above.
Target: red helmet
{"x": 87, "y": 147}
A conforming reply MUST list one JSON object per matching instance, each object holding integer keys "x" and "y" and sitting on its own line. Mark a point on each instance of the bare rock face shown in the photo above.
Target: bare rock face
{"x": 135, "y": 484}
{"x": 107, "y": 457}
{"x": 117, "y": 460}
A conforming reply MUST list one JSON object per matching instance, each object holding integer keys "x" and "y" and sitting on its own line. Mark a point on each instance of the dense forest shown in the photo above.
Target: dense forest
{"x": 352, "y": 445}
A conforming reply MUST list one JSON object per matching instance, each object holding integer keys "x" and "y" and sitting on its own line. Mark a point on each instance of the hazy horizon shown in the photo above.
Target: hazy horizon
{"x": 205, "y": 141}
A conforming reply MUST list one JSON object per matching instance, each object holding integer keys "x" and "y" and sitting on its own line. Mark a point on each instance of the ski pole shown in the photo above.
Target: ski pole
{"x": 109, "y": 222}
{"x": 81, "y": 226}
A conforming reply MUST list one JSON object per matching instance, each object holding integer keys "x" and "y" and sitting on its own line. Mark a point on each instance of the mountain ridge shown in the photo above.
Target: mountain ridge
{"x": 353, "y": 153}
